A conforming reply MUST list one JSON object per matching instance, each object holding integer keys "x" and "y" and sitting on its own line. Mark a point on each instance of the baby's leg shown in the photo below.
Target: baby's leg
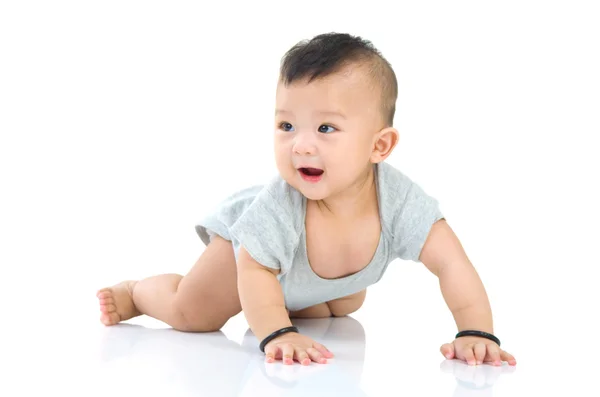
{"x": 320, "y": 310}
{"x": 201, "y": 301}
{"x": 348, "y": 304}
{"x": 334, "y": 308}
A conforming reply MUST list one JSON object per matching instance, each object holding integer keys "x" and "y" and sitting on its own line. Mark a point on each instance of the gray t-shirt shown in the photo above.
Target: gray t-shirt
{"x": 268, "y": 220}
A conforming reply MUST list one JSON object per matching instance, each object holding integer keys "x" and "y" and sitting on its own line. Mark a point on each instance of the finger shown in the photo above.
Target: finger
{"x": 468, "y": 354}
{"x": 302, "y": 356}
{"x": 507, "y": 357}
{"x": 494, "y": 354}
{"x": 480, "y": 351}
{"x": 271, "y": 352}
{"x": 324, "y": 351}
{"x": 316, "y": 356}
{"x": 447, "y": 350}
{"x": 288, "y": 353}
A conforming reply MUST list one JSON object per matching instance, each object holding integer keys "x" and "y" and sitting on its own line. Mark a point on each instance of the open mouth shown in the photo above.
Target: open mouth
{"x": 312, "y": 175}
{"x": 311, "y": 171}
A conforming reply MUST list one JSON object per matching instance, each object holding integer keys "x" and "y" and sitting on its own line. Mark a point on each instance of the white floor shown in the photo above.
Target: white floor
{"x": 64, "y": 349}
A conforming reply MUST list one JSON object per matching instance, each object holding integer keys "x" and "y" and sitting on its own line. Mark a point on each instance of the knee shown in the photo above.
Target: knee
{"x": 195, "y": 319}
{"x": 185, "y": 325}
{"x": 342, "y": 311}
{"x": 347, "y": 305}
{"x": 320, "y": 310}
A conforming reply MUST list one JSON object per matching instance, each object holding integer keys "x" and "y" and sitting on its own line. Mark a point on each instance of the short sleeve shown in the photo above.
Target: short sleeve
{"x": 417, "y": 213}
{"x": 267, "y": 231}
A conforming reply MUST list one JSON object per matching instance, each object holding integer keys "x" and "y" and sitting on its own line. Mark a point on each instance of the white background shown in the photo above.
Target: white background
{"x": 121, "y": 122}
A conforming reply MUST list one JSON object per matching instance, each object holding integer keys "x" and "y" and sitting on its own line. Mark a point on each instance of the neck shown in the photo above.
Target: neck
{"x": 354, "y": 201}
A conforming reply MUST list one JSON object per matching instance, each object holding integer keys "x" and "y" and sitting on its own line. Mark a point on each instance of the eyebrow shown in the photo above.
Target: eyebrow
{"x": 338, "y": 114}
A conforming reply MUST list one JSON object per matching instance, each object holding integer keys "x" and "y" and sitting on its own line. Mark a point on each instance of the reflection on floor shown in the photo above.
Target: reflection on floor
{"x": 212, "y": 364}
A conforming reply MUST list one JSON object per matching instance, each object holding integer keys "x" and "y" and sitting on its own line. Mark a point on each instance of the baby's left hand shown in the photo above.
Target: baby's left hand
{"x": 474, "y": 349}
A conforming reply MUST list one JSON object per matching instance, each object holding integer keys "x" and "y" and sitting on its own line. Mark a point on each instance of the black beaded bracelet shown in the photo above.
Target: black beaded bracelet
{"x": 482, "y": 334}
{"x": 276, "y": 334}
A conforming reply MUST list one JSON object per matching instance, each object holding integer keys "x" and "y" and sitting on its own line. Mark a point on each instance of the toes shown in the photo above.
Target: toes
{"x": 116, "y": 304}
{"x": 104, "y": 293}
{"x": 109, "y": 318}
{"x": 109, "y": 308}
{"x": 106, "y": 301}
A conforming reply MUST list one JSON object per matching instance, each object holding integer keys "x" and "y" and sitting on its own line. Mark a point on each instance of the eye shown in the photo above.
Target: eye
{"x": 284, "y": 126}
{"x": 326, "y": 126}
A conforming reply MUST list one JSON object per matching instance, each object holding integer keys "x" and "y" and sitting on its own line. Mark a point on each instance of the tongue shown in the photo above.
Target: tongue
{"x": 313, "y": 171}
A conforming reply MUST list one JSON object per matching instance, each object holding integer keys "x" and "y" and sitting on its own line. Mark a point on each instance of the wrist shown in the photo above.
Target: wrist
{"x": 267, "y": 319}
{"x": 275, "y": 335}
{"x": 475, "y": 317}
{"x": 473, "y": 333}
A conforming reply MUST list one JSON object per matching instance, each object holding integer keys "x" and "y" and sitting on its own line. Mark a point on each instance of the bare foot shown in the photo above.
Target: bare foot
{"x": 116, "y": 303}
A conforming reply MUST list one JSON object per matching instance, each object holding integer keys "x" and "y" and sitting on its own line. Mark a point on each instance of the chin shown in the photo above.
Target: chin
{"x": 311, "y": 193}
{"x": 313, "y": 196}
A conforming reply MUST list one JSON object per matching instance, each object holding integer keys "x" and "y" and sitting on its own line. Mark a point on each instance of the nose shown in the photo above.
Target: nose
{"x": 304, "y": 144}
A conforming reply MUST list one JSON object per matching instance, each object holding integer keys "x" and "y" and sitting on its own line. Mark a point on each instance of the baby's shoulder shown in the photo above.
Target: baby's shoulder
{"x": 280, "y": 193}
{"x": 276, "y": 205}
{"x": 392, "y": 180}
{"x": 403, "y": 201}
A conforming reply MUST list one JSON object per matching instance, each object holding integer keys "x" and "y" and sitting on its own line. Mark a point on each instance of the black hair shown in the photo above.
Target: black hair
{"x": 329, "y": 53}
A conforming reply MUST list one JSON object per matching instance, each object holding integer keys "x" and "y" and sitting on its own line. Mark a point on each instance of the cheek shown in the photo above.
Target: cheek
{"x": 282, "y": 159}
{"x": 363, "y": 150}
{"x": 350, "y": 159}
{"x": 352, "y": 152}
{"x": 282, "y": 143}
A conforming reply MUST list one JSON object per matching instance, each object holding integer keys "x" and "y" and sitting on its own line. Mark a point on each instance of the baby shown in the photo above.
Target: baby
{"x": 310, "y": 241}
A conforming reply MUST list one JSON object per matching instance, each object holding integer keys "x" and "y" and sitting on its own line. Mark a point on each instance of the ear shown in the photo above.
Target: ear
{"x": 384, "y": 143}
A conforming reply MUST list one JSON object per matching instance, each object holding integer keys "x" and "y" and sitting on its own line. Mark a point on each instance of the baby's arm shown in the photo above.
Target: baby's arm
{"x": 465, "y": 296}
{"x": 263, "y": 304}
{"x": 261, "y": 296}
{"x": 460, "y": 284}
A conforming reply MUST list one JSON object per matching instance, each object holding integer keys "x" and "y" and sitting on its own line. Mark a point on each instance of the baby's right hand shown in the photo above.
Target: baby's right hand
{"x": 292, "y": 345}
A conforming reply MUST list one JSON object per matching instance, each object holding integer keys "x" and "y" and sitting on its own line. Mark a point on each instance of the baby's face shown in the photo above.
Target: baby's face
{"x": 330, "y": 124}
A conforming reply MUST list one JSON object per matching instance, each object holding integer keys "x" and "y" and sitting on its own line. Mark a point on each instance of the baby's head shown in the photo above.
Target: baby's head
{"x": 335, "y": 105}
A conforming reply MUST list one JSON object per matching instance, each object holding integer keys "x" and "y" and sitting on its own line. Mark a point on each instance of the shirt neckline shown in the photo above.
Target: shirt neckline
{"x": 376, "y": 255}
